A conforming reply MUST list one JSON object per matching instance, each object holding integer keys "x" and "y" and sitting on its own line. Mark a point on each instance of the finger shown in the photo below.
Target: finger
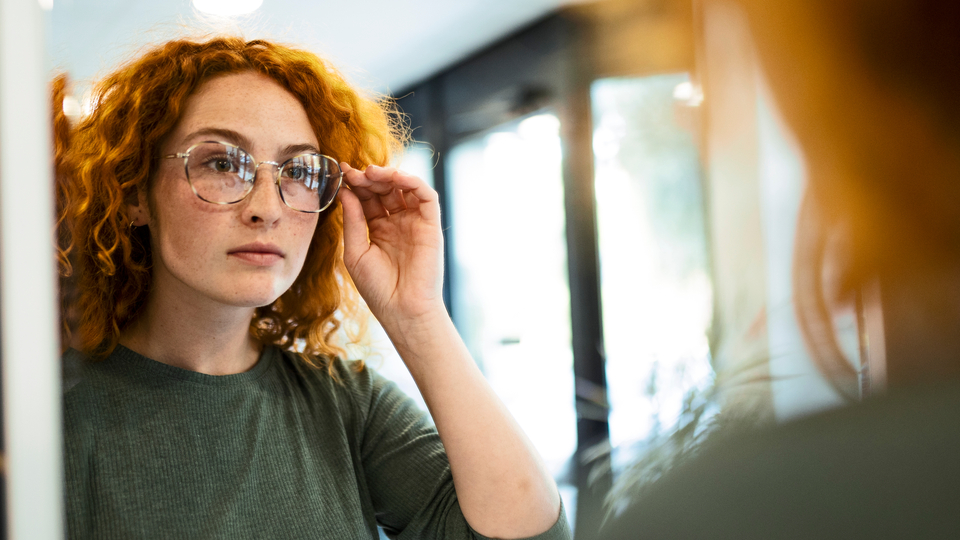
{"x": 429, "y": 209}
{"x": 385, "y": 181}
{"x": 369, "y": 200}
{"x": 393, "y": 201}
{"x": 354, "y": 226}
{"x": 420, "y": 196}
{"x": 390, "y": 175}
{"x": 409, "y": 184}
{"x": 411, "y": 200}
{"x": 379, "y": 184}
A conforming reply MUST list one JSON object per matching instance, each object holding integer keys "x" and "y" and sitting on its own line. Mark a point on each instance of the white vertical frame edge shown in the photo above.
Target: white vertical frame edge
{"x": 28, "y": 283}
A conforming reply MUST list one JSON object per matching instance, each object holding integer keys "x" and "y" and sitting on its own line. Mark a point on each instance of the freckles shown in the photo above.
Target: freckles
{"x": 188, "y": 231}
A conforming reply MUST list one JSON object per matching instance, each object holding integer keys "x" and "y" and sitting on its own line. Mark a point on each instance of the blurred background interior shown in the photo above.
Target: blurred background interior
{"x": 620, "y": 200}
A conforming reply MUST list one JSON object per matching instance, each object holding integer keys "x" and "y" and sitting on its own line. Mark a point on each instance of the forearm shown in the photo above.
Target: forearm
{"x": 502, "y": 485}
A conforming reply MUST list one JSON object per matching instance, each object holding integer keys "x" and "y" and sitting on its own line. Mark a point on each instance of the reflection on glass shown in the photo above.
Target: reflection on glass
{"x": 655, "y": 284}
{"x": 510, "y": 295}
{"x": 797, "y": 387}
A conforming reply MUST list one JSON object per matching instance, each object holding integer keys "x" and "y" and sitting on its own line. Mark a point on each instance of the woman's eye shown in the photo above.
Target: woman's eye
{"x": 219, "y": 164}
{"x": 295, "y": 173}
{"x": 222, "y": 165}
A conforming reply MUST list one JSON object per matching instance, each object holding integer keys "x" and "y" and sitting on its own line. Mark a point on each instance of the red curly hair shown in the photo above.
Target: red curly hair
{"x": 112, "y": 154}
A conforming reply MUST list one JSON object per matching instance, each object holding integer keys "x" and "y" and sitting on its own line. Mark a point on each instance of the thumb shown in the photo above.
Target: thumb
{"x": 355, "y": 241}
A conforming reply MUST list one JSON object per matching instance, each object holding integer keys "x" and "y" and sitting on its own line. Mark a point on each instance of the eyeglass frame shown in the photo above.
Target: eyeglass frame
{"x": 256, "y": 168}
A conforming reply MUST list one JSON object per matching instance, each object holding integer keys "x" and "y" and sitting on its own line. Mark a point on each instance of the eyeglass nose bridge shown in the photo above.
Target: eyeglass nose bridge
{"x": 251, "y": 182}
{"x": 256, "y": 167}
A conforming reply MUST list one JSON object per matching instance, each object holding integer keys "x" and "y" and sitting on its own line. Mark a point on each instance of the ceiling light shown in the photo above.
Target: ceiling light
{"x": 227, "y": 8}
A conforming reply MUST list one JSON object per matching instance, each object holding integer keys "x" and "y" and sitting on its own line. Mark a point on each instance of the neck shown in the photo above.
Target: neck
{"x": 195, "y": 334}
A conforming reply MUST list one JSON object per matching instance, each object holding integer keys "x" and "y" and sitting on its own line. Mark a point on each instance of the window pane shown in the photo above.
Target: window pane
{"x": 509, "y": 294}
{"x": 655, "y": 284}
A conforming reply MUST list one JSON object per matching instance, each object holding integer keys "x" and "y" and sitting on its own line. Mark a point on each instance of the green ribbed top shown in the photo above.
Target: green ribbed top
{"x": 280, "y": 451}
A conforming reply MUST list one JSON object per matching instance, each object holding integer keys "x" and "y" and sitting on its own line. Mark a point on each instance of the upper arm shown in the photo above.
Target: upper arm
{"x": 406, "y": 468}
{"x": 78, "y": 453}
{"x": 407, "y": 472}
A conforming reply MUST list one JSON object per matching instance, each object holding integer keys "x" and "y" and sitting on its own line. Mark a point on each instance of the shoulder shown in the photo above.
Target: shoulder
{"x": 348, "y": 382}
{"x": 885, "y": 468}
{"x": 81, "y": 379}
{"x": 84, "y": 400}
{"x": 346, "y": 377}
{"x": 369, "y": 407}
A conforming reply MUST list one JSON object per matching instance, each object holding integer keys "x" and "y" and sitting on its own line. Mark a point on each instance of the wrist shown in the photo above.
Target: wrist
{"x": 414, "y": 334}
{"x": 421, "y": 321}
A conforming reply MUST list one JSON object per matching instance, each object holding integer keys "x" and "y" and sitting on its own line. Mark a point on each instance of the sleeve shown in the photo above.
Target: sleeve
{"x": 408, "y": 474}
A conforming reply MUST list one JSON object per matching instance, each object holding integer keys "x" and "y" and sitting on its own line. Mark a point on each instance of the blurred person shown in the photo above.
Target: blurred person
{"x": 214, "y": 262}
{"x": 870, "y": 89}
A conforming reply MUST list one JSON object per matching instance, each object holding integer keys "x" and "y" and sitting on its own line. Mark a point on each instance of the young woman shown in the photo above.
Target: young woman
{"x": 215, "y": 262}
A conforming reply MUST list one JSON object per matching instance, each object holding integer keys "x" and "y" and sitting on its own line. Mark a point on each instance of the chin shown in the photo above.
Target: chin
{"x": 253, "y": 299}
{"x": 260, "y": 301}
{"x": 256, "y": 292}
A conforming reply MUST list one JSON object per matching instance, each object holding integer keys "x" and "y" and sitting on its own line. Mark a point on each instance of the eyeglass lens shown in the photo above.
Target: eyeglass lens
{"x": 221, "y": 173}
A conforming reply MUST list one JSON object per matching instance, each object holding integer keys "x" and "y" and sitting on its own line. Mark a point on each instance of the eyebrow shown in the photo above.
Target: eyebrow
{"x": 297, "y": 149}
{"x": 220, "y": 134}
{"x": 233, "y": 137}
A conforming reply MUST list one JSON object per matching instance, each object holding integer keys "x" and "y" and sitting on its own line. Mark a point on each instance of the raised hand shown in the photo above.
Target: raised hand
{"x": 503, "y": 488}
{"x": 393, "y": 246}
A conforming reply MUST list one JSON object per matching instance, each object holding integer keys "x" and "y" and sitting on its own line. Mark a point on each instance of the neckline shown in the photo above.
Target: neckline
{"x": 127, "y": 359}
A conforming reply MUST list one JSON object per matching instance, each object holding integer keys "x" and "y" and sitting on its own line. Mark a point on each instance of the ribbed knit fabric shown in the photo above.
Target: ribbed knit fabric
{"x": 281, "y": 451}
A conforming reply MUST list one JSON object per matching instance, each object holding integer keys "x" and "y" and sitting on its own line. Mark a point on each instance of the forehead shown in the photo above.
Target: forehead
{"x": 251, "y": 104}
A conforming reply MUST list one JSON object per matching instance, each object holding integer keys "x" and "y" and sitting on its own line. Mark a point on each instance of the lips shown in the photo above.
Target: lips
{"x": 257, "y": 253}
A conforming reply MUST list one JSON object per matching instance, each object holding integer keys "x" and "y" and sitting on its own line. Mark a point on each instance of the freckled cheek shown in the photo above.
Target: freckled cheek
{"x": 181, "y": 250}
{"x": 303, "y": 236}
{"x": 188, "y": 238}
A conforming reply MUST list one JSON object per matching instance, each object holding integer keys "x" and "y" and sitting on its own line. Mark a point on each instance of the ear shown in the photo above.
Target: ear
{"x": 139, "y": 212}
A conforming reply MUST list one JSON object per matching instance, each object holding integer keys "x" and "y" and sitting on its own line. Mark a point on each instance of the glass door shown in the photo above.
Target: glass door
{"x": 655, "y": 282}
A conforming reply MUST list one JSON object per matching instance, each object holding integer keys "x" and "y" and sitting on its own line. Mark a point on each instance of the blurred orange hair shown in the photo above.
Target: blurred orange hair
{"x": 112, "y": 153}
{"x": 870, "y": 89}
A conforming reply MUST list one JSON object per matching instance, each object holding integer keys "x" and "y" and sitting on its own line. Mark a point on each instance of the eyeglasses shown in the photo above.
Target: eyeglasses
{"x": 222, "y": 173}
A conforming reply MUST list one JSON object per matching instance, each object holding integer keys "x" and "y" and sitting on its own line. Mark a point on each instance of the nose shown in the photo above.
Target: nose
{"x": 263, "y": 204}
